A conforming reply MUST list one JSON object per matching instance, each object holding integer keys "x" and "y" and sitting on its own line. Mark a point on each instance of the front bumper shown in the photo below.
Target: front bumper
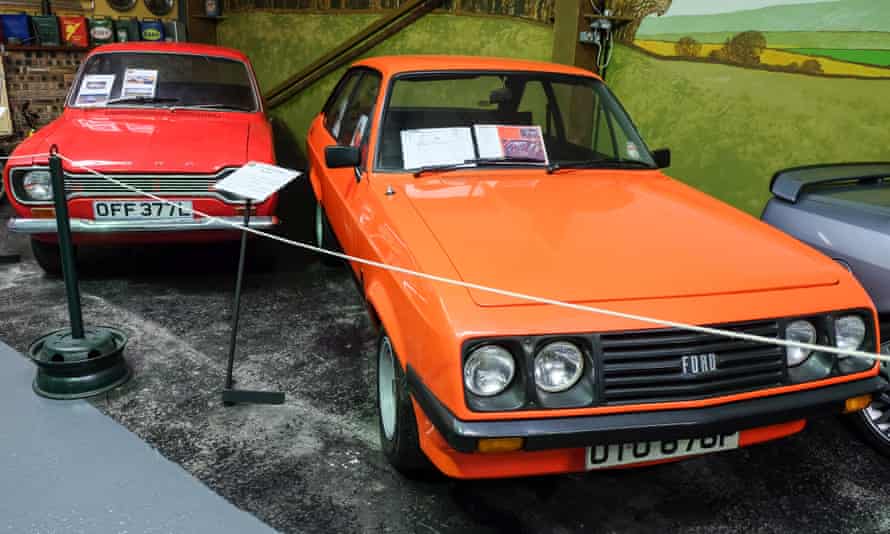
{"x": 90, "y": 226}
{"x": 574, "y": 432}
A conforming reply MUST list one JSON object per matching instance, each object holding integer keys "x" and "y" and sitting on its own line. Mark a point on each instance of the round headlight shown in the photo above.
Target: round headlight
{"x": 37, "y": 185}
{"x": 801, "y": 332}
{"x": 489, "y": 370}
{"x": 558, "y": 366}
{"x": 849, "y": 332}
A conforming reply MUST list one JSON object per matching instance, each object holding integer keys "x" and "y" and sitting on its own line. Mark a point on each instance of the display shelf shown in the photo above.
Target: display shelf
{"x": 39, "y": 48}
{"x": 208, "y": 17}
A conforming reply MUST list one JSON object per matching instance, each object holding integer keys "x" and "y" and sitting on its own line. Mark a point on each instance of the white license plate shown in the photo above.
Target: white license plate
{"x": 141, "y": 209}
{"x": 615, "y": 454}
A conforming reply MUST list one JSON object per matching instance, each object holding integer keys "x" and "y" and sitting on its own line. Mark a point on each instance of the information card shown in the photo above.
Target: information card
{"x": 510, "y": 142}
{"x": 95, "y": 89}
{"x": 256, "y": 181}
{"x": 436, "y": 146}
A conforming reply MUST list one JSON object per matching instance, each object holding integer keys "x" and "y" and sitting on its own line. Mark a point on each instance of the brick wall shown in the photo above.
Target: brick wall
{"x": 41, "y": 78}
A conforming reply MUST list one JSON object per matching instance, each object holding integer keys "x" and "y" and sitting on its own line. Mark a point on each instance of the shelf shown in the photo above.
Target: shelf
{"x": 38, "y": 48}
{"x": 207, "y": 17}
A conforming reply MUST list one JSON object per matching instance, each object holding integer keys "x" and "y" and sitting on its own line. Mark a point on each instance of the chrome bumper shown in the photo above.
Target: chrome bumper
{"x": 89, "y": 226}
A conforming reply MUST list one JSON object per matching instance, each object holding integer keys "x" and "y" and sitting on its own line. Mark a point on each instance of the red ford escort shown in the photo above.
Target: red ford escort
{"x": 171, "y": 119}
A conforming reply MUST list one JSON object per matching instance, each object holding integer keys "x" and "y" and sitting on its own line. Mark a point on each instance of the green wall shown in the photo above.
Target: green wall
{"x": 279, "y": 44}
{"x": 731, "y": 128}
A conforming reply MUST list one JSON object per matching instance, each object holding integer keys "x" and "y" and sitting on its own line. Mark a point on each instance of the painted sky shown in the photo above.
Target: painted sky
{"x": 702, "y": 7}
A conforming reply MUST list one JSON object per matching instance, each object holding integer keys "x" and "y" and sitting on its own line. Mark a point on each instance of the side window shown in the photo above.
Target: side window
{"x": 356, "y": 117}
{"x": 333, "y": 114}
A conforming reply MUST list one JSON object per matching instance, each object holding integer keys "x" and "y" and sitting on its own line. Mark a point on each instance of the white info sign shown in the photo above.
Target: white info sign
{"x": 436, "y": 146}
{"x": 256, "y": 181}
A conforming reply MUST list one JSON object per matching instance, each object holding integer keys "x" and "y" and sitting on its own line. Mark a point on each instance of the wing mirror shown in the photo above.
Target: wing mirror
{"x": 338, "y": 156}
{"x": 662, "y": 157}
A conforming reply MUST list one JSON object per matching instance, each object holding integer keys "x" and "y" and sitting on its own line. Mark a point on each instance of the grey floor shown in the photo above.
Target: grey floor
{"x": 66, "y": 467}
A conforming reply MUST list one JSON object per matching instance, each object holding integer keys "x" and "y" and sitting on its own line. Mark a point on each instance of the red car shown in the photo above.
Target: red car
{"x": 168, "y": 118}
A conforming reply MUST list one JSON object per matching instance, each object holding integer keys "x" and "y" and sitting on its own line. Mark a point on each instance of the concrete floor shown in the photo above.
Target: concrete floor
{"x": 312, "y": 465}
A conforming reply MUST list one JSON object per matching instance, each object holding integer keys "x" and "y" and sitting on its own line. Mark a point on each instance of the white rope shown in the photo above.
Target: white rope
{"x": 512, "y": 294}
{"x": 26, "y": 156}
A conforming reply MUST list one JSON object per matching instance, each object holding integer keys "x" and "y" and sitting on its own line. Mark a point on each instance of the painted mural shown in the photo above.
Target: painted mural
{"x": 742, "y": 88}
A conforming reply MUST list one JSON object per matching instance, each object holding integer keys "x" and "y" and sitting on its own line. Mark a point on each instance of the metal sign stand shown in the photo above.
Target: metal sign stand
{"x": 230, "y": 395}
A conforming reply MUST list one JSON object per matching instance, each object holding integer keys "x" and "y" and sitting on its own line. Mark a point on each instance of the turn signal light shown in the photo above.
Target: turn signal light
{"x": 499, "y": 445}
{"x": 857, "y": 403}
{"x": 43, "y": 213}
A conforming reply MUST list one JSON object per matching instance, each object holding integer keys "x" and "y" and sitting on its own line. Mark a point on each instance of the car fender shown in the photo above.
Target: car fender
{"x": 383, "y": 311}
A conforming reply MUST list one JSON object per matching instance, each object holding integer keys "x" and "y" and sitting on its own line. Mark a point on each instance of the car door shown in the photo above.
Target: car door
{"x": 348, "y": 125}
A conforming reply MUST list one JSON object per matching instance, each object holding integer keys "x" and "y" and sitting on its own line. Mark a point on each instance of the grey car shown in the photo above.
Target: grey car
{"x": 844, "y": 211}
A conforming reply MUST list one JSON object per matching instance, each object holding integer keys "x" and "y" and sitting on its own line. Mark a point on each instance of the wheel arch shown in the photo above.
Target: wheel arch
{"x": 384, "y": 318}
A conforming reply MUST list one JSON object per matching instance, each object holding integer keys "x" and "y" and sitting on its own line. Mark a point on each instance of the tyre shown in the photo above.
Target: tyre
{"x": 395, "y": 415}
{"x": 48, "y": 257}
{"x": 324, "y": 236}
{"x": 873, "y": 423}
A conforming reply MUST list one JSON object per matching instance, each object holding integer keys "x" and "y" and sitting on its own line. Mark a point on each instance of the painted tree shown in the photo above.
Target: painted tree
{"x": 636, "y": 10}
{"x": 745, "y": 48}
{"x": 688, "y": 47}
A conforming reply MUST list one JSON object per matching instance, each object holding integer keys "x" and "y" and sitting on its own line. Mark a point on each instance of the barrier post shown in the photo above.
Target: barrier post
{"x": 75, "y": 362}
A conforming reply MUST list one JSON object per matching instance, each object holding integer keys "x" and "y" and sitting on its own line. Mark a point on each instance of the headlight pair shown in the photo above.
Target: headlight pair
{"x": 848, "y": 332}
{"x": 489, "y": 369}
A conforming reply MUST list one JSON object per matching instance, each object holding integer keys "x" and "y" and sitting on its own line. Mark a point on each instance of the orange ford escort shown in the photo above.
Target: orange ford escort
{"x": 531, "y": 177}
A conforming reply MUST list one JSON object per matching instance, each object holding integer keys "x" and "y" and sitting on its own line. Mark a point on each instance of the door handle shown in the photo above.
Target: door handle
{"x": 358, "y": 174}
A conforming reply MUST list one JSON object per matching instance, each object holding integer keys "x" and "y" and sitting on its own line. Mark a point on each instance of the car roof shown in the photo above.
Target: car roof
{"x": 172, "y": 48}
{"x": 391, "y": 65}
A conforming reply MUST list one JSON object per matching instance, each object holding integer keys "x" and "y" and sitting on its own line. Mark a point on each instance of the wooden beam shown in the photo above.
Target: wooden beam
{"x": 286, "y": 88}
{"x": 570, "y": 22}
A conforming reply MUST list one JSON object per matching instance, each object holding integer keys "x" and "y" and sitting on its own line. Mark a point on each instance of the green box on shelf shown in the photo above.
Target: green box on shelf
{"x": 101, "y": 30}
{"x": 46, "y": 27}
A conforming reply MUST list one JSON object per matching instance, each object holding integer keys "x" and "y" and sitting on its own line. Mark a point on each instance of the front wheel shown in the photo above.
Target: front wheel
{"x": 48, "y": 257}
{"x": 324, "y": 236}
{"x": 395, "y": 414}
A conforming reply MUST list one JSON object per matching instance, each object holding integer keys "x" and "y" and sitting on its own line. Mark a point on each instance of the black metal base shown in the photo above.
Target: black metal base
{"x": 244, "y": 396}
{"x": 69, "y": 368}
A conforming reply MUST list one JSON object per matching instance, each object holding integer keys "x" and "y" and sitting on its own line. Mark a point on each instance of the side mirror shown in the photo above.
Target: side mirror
{"x": 338, "y": 157}
{"x": 662, "y": 157}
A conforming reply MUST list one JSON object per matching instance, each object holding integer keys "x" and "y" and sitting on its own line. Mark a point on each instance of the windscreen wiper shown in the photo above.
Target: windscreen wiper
{"x": 478, "y": 162}
{"x": 611, "y": 163}
{"x": 141, "y": 100}
{"x": 225, "y": 107}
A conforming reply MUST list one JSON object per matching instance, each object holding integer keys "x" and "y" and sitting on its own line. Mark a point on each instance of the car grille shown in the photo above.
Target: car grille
{"x": 648, "y": 366}
{"x": 162, "y": 185}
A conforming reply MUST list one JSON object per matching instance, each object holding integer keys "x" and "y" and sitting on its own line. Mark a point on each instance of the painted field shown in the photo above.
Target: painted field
{"x": 730, "y": 129}
{"x": 879, "y": 58}
{"x": 831, "y": 67}
{"x": 839, "y": 40}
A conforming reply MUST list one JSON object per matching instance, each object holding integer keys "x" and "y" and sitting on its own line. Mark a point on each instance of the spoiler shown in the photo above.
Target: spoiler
{"x": 789, "y": 183}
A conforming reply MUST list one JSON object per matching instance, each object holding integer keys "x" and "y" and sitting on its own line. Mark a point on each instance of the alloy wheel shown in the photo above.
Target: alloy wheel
{"x": 386, "y": 387}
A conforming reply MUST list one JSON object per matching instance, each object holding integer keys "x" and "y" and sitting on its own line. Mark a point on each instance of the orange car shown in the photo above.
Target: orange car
{"x": 530, "y": 177}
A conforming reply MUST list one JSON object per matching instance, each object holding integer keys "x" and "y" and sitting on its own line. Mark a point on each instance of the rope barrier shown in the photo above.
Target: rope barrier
{"x": 502, "y": 292}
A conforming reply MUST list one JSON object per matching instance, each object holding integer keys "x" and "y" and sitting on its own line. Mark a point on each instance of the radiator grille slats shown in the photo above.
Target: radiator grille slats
{"x": 648, "y": 366}
{"x": 161, "y": 185}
